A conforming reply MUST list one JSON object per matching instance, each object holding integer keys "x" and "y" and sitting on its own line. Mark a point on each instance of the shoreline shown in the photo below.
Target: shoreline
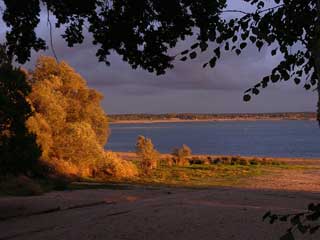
{"x": 205, "y": 120}
{"x": 289, "y": 160}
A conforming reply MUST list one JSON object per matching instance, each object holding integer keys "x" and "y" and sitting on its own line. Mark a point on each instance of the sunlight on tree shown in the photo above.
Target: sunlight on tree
{"x": 148, "y": 155}
{"x": 70, "y": 125}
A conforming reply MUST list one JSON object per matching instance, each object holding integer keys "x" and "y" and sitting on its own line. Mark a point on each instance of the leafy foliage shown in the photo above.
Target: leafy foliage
{"x": 290, "y": 28}
{"x": 69, "y": 123}
{"x": 181, "y": 155}
{"x": 146, "y": 151}
{"x": 19, "y": 152}
{"x": 114, "y": 166}
{"x": 148, "y": 28}
{"x": 305, "y": 222}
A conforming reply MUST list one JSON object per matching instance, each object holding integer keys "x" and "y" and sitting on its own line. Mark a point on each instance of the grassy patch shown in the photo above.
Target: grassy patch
{"x": 201, "y": 175}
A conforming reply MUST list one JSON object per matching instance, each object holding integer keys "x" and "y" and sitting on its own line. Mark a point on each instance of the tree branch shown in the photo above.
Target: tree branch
{"x": 50, "y": 31}
{"x": 249, "y": 13}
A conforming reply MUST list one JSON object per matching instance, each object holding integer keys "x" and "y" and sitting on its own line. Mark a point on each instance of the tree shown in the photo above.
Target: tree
{"x": 181, "y": 154}
{"x": 69, "y": 122}
{"x": 149, "y": 156}
{"x": 19, "y": 153}
{"x": 291, "y": 27}
{"x": 140, "y": 31}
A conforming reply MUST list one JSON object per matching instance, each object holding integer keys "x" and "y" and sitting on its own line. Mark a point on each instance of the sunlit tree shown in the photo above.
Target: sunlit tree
{"x": 149, "y": 156}
{"x": 69, "y": 122}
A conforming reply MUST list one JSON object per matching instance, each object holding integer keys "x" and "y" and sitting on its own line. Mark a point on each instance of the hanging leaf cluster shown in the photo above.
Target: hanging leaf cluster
{"x": 307, "y": 222}
{"x": 288, "y": 28}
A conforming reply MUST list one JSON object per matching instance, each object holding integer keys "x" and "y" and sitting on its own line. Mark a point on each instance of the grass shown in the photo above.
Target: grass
{"x": 227, "y": 171}
{"x": 208, "y": 175}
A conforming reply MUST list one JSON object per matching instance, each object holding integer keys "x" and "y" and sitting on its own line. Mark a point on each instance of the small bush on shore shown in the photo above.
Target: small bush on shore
{"x": 167, "y": 161}
{"x": 196, "y": 160}
{"x": 181, "y": 154}
{"x": 116, "y": 167}
{"x": 244, "y": 162}
{"x": 149, "y": 156}
{"x": 254, "y": 161}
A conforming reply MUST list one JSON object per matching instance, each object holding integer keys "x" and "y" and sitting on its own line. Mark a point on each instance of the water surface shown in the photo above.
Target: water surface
{"x": 249, "y": 138}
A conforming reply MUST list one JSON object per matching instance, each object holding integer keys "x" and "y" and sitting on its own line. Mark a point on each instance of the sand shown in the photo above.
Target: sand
{"x": 141, "y": 212}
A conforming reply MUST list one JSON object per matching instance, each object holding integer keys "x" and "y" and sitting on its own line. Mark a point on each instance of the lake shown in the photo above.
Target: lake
{"x": 248, "y": 138}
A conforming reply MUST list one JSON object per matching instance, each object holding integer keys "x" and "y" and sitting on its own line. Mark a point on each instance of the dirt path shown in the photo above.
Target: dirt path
{"x": 151, "y": 213}
{"x": 295, "y": 180}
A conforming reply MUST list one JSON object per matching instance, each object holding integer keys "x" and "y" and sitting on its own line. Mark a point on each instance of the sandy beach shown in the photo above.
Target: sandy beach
{"x": 141, "y": 212}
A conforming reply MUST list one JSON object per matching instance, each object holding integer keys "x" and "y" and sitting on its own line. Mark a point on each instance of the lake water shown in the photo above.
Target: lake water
{"x": 249, "y": 138}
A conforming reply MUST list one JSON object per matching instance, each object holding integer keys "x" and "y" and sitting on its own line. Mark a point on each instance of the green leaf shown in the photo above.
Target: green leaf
{"x": 307, "y": 86}
{"x": 255, "y": 91}
{"x": 183, "y": 58}
{"x": 193, "y": 55}
{"x": 259, "y": 45}
{"x": 247, "y": 98}
{"x": 253, "y": 39}
{"x": 243, "y": 45}
{"x": 212, "y": 62}
{"x": 184, "y": 52}
{"x": 194, "y": 46}
{"x": 217, "y": 52}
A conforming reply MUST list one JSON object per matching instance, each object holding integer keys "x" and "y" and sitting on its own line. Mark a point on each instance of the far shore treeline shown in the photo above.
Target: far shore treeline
{"x": 213, "y": 116}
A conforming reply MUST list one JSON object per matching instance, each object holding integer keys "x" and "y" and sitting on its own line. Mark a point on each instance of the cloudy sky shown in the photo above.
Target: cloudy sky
{"x": 186, "y": 88}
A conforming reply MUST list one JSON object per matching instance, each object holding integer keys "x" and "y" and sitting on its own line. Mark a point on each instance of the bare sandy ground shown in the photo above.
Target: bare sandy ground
{"x": 143, "y": 213}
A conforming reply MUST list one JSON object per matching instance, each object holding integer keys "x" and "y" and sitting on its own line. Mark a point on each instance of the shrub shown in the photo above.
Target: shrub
{"x": 148, "y": 155}
{"x": 216, "y": 161}
{"x": 208, "y": 160}
{"x": 226, "y": 160}
{"x": 168, "y": 161}
{"x": 234, "y": 160}
{"x": 196, "y": 160}
{"x": 243, "y": 162}
{"x": 181, "y": 155}
{"x": 112, "y": 165}
{"x": 254, "y": 161}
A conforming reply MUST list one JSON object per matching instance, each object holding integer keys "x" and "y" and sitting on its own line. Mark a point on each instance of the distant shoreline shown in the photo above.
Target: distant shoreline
{"x": 203, "y": 120}
{"x": 129, "y": 155}
{"x": 198, "y": 117}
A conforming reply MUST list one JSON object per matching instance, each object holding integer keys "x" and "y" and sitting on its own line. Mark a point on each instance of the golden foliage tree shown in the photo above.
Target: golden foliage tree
{"x": 181, "y": 154}
{"x": 148, "y": 154}
{"x": 69, "y": 122}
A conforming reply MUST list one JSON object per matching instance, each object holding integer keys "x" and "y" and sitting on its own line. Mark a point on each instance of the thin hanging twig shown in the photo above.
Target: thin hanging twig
{"x": 50, "y": 31}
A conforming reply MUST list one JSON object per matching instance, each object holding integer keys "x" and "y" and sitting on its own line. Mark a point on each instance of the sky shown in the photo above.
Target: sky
{"x": 186, "y": 88}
